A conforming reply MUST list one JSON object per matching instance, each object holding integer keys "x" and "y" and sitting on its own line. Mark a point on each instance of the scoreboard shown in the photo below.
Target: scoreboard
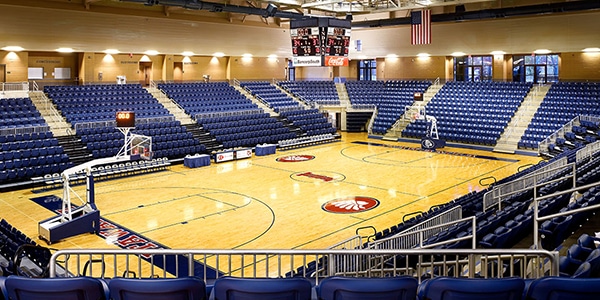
{"x": 320, "y": 42}
{"x": 338, "y": 41}
{"x": 306, "y": 41}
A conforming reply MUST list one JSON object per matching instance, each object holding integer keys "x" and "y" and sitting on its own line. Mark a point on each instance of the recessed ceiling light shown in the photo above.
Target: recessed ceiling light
{"x": 272, "y": 56}
{"x": 542, "y": 51}
{"x": 246, "y": 55}
{"x": 13, "y": 48}
{"x": 392, "y": 56}
{"x": 457, "y": 54}
{"x": 187, "y": 53}
{"x": 219, "y": 54}
{"x": 65, "y": 50}
{"x": 497, "y": 52}
{"x": 111, "y": 51}
{"x": 151, "y": 52}
{"x": 423, "y": 55}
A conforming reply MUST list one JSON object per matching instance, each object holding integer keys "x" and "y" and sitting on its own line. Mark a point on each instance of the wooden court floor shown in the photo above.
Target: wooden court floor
{"x": 263, "y": 203}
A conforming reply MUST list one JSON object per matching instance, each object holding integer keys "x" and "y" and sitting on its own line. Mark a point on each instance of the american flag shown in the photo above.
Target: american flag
{"x": 420, "y": 27}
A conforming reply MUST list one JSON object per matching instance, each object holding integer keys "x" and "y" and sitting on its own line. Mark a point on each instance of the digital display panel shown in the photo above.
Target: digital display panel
{"x": 125, "y": 119}
{"x": 305, "y": 41}
{"x": 337, "y": 41}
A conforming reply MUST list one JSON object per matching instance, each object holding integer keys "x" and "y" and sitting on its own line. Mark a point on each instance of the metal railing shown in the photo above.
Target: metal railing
{"x": 538, "y": 219}
{"x": 14, "y": 86}
{"x": 22, "y": 130}
{"x": 228, "y": 113}
{"x": 211, "y": 264}
{"x": 501, "y": 192}
{"x": 587, "y": 151}
{"x": 372, "y": 121}
{"x": 112, "y": 123}
{"x": 544, "y": 145}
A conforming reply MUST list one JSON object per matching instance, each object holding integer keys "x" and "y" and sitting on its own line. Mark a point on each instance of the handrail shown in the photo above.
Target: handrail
{"x": 280, "y": 263}
{"x": 14, "y": 86}
{"x": 537, "y": 219}
{"x": 227, "y": 113}
{"x": 372, "y": 121}
{"x": 22, "y": 130}
{"x": 500, "y": 192}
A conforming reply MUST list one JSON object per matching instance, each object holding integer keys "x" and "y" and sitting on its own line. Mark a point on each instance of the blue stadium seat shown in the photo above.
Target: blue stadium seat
{"x": 449, "y": 288}
{"x": 352, "y": 288}
{"x": 563, "y": 289}
{"x": 77, "y": 288}
{"x": 231, "y": 288}
{"x": 147, "y": 289}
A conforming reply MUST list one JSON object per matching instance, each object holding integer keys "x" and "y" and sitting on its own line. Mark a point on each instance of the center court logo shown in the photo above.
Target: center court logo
{"x": 296, "y": 158}
{"x": 350, "y": 205}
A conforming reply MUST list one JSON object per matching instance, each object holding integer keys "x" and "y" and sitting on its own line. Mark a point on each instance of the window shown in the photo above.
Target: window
{"x": 367, "y": 69}
{"x": 291, "y": 71}
{"x": 473, "y": 68}
{"x": 537, "y": 68}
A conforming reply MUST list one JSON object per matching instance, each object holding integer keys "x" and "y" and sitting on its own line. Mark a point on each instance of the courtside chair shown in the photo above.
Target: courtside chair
{"x": 450, "y": 288}
{"x": 233, "y": 288}
{"x": 354, "y": 288}
{"x": 185, "y": 288}
{"x": 75, "y": 288}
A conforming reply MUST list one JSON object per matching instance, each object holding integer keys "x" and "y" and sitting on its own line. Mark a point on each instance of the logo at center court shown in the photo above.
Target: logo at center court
{"x": 350, "y": 205}
{"x": 295, "y": 158}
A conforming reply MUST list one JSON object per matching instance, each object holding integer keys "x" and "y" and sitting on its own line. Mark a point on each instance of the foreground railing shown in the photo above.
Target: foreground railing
{"x": 211, "y": 264}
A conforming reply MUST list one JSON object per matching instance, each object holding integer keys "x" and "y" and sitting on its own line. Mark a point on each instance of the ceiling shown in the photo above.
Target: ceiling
{"x": 236, "y": 27}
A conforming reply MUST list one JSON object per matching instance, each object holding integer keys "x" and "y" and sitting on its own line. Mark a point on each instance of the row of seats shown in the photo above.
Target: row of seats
{"x": 330, "y": 288}
{"x": 563, "y": 102}
{"x": 322, "y": 92}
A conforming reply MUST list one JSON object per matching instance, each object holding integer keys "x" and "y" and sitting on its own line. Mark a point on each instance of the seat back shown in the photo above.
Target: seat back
{"x": 232, "y": 288}
{"x": 561, "y": 288}
{"x": 450, "y": 288}
{"x": 351, "y": 288}
{"x": 186, "y": 288}
{"x": 76, "y": 288}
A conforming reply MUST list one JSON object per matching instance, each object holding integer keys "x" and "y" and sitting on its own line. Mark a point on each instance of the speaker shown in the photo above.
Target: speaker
{"x": 271, "y": 10}
{"x": 348, "y": 17}
{"x": 459, "y": 9}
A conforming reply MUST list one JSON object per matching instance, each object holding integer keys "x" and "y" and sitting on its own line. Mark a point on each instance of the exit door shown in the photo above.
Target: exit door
{"x": 145, "y": 73}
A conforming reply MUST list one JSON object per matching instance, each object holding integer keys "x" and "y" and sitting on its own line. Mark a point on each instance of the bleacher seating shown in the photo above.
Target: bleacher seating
{"x": 310, "y": 121}
{"x": 446, "y": 288}
{"x": 18, "y": 113}
{"x": 28, "y": 155}
{"x": 90, "y": 103}
{"x": 472, "y": 112}
{"x": 391, "y": 97}
{"x": 13, "y": 246}
{"x": 352, "y": 288}
{"x": 321, "y": 92}
{"x": 232, "y": 288}
{"x": 563, "y": 102}
{"x": 169, "y": 139}
{"x": 206, "y": 97}
{"x": 270, "y": 95}
{"x": 246, "y": 130}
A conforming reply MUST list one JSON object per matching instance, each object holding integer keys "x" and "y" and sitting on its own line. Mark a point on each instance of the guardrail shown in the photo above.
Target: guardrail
{"x": 503, "y": 191}
{"x": 14, "y": 86}
{"x": 22, "y": 130}
{"x": 228, "y": 113}
{"x": 211, "y": 264}
{"x": 587, "y": 151}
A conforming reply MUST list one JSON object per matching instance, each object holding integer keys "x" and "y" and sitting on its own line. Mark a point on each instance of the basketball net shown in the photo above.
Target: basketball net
{"x": 415, "y": 116}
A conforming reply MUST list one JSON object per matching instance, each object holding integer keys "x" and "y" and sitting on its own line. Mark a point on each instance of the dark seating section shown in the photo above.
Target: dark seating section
{"x": 27, "y": 155}
{"x": 391, "y": 97}
{"x": 169, "y": 139}
{"x": 472, "y": 112}
{"x": 19, "y": 112}
{"x": 332, "y": 288}
{"x": 206, "y": 97}
{"x": 13, "y": 246}
{"x": 89, "y": 103}
{"x": 563, "y": 102}
{"x": 310, "y": 121}
{"x": 321, "y": 92}
{"x": 447, "y": 288}
{"x": 270, "y": 95}
{"x": 246, "y": 130}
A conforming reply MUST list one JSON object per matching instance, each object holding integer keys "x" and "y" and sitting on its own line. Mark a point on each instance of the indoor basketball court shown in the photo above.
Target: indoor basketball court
{"x": 307, "y": 198}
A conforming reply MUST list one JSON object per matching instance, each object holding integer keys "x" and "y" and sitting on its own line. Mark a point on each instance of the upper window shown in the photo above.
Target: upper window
{"x": 537, "y": 68}
{"x": 473, "y": 68}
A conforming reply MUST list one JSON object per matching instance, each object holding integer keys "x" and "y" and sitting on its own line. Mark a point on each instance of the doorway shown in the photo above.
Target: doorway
{"x": 145, "y": 73}
{"x": 2, "y": 73}
{"x": 178, "y": 71}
